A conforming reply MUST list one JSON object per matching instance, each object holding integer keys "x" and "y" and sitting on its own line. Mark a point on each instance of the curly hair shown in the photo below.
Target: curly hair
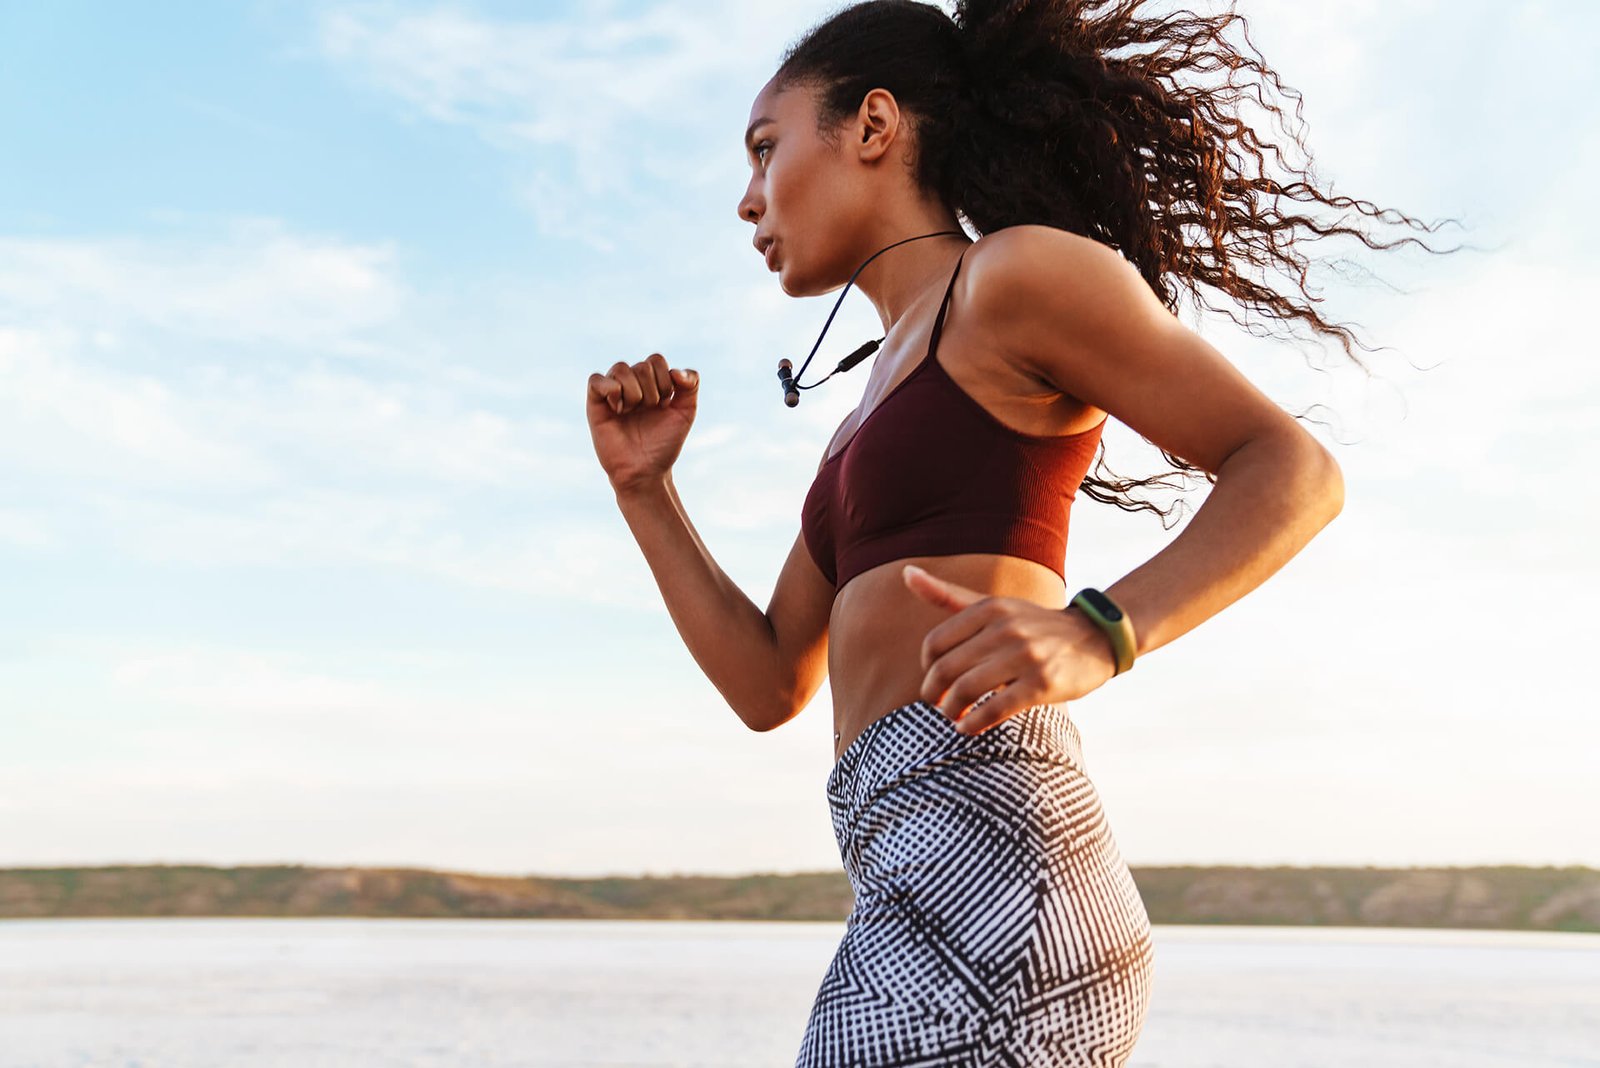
{"x": 1092, "y": 116}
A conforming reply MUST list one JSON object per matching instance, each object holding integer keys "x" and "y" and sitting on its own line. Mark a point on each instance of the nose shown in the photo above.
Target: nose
{"x": 750, "y": 205}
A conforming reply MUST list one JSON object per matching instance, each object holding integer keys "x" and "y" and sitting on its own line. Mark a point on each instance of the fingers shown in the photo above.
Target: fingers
{"x": 961, "y": 676}
{"x": 935, "y": 590}
{"x": 961, "y": 627}
{"x": 976, "y": 692}
{"x": 999, "y": 705}
{"x": 660, "y": 377}
{"x": 654, "y": 382}
{"x": 603, "y": 389}
{"x": 649, "y": 383}
{"x": 991, "y": 692}
{"x": 684, "y": 384}
{"x": 632, "y": 392}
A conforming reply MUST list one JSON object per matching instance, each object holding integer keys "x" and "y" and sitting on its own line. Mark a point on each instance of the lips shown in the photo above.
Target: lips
{"x": 767, "y": 255}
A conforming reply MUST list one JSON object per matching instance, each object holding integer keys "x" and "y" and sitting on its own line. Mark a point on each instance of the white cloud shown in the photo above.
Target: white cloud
{"x": 572, "y": 81}
{"x": 259, "y": 281}
{"x": 64, "y": 414}
{"x": 199, "y": 459}
{"x": 244, "y": 683}
{"x": 538, "y": 551}
{"x": 25, "y": 529}
{"x": 332, "y": 459}
{"x": 362, "y": 426}
{"x": 612, "y": 110}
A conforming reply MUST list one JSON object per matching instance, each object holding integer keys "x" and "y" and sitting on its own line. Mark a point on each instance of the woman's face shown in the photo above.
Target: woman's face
{"x": 803, "y": 193}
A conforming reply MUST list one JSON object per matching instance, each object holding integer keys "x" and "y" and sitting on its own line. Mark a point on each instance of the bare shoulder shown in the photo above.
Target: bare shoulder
{"x": 1031, "y": 282}
{"x": 1030, "y": 272}
{"x": 1077, "y": 313}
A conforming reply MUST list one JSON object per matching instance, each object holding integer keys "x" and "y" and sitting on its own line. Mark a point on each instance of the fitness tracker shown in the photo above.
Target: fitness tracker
{"x": 1112, "y": 621}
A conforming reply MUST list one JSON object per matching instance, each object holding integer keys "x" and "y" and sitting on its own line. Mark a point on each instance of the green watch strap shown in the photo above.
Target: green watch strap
{"x": 1112, "y": 621}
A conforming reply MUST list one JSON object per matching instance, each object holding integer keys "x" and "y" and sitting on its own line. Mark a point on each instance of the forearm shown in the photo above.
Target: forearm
{"x": 1270, "y": 499}
{"x": 726, "y": 633}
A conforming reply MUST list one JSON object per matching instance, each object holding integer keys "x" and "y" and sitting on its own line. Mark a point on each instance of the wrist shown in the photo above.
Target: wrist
{"x": 656, "y": 487}
{"x": 1107, "y": 617}
{"x": 1093, "y": 646}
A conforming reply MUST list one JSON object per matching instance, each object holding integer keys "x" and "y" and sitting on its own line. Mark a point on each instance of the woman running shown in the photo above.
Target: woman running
{"x": 995, "y": 921}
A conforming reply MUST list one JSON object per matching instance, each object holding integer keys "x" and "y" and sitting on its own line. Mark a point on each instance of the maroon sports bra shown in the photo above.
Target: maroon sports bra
{"x": 938, "y": 474}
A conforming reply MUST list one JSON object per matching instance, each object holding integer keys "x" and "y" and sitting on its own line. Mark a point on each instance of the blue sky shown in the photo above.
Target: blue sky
{"x": 305, "y": 555}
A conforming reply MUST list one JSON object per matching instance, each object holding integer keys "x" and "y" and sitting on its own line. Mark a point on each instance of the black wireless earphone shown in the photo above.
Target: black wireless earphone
{"x": 792, "y": 388}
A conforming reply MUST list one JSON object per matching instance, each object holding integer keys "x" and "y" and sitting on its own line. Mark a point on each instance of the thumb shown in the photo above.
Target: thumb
{"x": 685, "y": 387}
{"x": 938, "y": 591}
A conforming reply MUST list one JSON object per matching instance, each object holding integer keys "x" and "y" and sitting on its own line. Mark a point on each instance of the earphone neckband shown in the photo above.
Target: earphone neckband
{"x": 791, "y": 387}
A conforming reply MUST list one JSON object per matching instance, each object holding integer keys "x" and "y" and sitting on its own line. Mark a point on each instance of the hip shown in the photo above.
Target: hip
{"x": 992, "y": 851}
{"x": 912, "y": 800}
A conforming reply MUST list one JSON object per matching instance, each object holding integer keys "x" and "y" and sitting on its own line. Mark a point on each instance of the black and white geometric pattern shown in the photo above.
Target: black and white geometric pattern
{"x": 995, "y": 922}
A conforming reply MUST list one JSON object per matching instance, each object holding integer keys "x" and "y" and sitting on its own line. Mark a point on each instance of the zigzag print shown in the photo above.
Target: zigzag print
{"x": 995, "y": 922}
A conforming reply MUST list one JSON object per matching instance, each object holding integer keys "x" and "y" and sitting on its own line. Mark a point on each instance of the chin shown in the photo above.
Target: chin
{"x": 797, "y": 287}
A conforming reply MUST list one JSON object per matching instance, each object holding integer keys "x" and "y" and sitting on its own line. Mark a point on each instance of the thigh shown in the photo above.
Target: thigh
{"x": 889, "y": 997}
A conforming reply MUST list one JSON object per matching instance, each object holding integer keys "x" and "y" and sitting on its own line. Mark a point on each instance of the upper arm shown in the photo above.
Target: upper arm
{"x": 802, "y": 603}
{"x": 1077, "y": 313}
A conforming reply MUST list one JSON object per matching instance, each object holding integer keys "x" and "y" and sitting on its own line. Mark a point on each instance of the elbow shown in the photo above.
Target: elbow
{"x": 754, "y": 718}
{"x": 785, "y": 707}
{"x": 763, "y": 720}
{"x": 1303, "y": 469}
{"x": 777, "y": 719}
{"x": 1335, "y": 487}
{"x": 1331, "y": 480}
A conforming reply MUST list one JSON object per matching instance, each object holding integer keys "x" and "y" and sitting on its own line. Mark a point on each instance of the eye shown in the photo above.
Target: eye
{"x": 761, "y": 146}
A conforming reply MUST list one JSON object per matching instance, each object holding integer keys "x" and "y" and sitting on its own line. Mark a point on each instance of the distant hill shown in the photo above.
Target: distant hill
{"x": 1553, "y": 899}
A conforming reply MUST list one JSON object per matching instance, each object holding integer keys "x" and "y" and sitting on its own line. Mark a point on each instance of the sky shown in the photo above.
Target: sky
{"x": 305, "y": 556}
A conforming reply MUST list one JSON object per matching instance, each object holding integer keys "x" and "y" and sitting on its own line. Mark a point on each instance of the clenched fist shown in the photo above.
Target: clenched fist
{"x": 639, "y": 416}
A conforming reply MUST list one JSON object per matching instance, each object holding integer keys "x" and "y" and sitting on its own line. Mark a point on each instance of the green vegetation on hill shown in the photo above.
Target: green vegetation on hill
{"x": 1561, "y": 899}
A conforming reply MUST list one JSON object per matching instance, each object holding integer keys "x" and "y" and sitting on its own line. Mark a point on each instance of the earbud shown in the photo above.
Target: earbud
{"x": 791, "y": 396}
{"x": 787, "y": 377}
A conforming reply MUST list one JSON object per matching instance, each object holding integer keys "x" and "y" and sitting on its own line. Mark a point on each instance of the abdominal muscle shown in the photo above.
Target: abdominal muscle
{"x": 877, "y": 627}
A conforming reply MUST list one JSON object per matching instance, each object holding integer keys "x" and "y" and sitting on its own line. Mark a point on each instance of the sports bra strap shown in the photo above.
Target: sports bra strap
{"x": 938, "y": 322}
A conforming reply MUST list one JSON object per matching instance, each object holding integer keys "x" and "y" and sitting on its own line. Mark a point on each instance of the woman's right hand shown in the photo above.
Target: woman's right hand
{"x": 639, "y": 416}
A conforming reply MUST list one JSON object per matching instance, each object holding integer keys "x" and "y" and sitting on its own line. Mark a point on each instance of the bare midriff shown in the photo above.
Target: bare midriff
{"x": 877, "y": 627}
{"x": 877, "y": 624}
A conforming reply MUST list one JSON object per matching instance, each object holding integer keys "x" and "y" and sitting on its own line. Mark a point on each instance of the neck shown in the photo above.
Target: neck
{"x": 895, "y": 280}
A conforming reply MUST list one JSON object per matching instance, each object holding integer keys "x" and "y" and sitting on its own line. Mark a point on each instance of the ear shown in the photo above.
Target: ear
{"x": 878, "y": 124}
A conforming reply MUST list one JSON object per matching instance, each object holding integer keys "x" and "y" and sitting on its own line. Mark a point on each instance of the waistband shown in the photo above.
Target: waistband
{"x": 917, "y": 739}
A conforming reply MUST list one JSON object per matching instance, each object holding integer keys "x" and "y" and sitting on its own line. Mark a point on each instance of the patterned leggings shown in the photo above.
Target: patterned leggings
{"x": 995, "y": 922}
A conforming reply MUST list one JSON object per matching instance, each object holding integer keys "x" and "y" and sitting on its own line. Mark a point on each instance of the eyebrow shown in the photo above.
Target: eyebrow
{"x": 752, "y": 129}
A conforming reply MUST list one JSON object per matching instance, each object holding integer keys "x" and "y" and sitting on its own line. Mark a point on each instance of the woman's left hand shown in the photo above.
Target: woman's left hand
{"x": 1030, "y": 654}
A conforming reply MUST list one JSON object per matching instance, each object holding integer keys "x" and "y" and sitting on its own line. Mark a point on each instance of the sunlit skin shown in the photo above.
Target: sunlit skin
{"x": 1047, "y": 331}
{"x": 827, "y": 211}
